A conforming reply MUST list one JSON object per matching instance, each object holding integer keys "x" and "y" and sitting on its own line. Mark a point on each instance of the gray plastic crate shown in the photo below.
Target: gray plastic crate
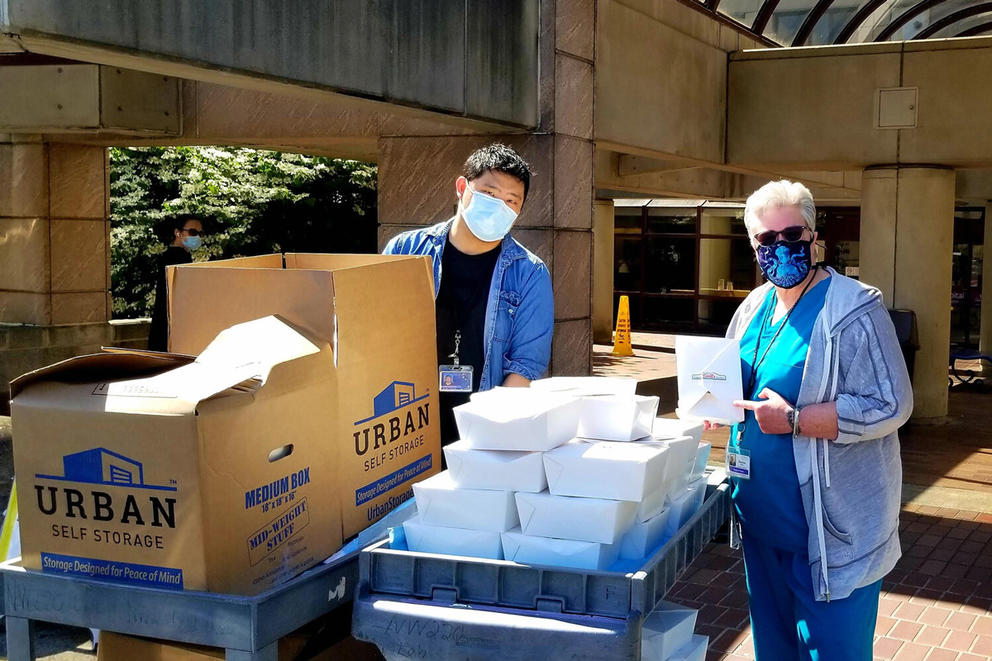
{"x": 421, "y": 605}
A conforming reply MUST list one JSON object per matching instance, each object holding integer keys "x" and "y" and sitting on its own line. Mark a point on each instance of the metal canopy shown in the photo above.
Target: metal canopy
{"x": 822, "y": 22}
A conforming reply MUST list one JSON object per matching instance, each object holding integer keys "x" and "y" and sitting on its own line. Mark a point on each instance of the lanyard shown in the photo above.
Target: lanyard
{"x": 755, "y": 362}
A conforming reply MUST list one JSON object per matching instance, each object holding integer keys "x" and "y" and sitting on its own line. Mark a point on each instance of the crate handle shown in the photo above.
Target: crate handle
{"x": 446, "y": 595}
{"x": 550, "y": 604}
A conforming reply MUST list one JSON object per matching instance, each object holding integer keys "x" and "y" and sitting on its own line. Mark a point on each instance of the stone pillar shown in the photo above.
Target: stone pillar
{"x": 907, "y": 233}
{"x": 603, "y": 228}
{"x": 417, "y": 175}
{"x": 985, "y": 327}
{"x": 54, "y": 209}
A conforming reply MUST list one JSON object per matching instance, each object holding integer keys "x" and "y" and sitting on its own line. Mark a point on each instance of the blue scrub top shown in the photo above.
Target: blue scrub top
{"x": 769, "y": 504}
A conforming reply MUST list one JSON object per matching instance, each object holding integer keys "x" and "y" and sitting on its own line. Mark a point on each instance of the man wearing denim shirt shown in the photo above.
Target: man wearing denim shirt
{"x": 494, "y": 305}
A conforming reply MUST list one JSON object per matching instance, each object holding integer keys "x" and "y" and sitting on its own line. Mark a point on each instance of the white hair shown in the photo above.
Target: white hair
{"x": 782, "y": 193}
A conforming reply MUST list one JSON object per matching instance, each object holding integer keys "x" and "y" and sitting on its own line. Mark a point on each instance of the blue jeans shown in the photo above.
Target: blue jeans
{"x": 788, "y": 623}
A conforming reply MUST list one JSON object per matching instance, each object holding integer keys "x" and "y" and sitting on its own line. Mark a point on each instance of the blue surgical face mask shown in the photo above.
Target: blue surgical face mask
{"x": 192, "y": 243}
{"x": 488, "y": 218}
{"x": 786, "y": 264}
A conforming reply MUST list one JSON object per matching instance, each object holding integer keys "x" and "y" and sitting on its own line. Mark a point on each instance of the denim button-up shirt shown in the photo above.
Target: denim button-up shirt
{"x": 520, "y": 311}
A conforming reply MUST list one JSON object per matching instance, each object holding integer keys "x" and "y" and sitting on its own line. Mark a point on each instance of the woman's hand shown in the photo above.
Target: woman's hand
{"x": 710, "y": 426}
{"x": 771, "y": 412}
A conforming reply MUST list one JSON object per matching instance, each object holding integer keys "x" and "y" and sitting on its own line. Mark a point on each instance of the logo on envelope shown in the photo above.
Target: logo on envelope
{"x": 709, "y": 378}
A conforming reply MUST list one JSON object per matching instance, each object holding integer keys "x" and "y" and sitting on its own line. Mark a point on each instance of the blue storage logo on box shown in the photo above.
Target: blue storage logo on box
{"x": 393, "y": 432}
{"x": 102, "y": 466}
{"x": 396, "y": 395}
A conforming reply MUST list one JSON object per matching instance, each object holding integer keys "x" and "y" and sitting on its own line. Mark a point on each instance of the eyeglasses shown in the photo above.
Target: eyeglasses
{"x": 790, "y": 234}
{"x": 192, "y": 232}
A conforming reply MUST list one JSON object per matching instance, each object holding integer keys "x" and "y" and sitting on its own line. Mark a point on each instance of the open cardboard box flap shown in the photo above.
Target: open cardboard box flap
{"x": 175, "y": 383}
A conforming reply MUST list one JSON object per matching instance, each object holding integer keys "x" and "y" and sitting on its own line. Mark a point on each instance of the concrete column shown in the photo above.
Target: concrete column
{"x": 602, "y": 271}
{"x": 54, "y": 209}
{"x": 985, "y": 328}
{"x": 907, "y": 233}
{"x": 416, "y": 177}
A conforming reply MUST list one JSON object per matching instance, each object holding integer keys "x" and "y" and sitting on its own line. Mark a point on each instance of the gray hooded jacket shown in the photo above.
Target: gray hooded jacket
{"x": 851, "y": 487}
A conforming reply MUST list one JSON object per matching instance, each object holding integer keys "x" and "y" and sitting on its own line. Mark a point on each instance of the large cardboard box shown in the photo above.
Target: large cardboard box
{"x": 162, "y": 470}
{"x": 378, "y": 313}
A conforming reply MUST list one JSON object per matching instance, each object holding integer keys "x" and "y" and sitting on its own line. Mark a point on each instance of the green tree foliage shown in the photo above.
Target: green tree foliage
{"x": 252, "y": 202}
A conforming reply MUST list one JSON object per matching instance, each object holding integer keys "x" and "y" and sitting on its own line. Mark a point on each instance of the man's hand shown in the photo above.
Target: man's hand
{"x": 771, "y": 412}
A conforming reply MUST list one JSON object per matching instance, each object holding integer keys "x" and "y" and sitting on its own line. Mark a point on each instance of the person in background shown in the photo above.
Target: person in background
{"x": 494, "y": 306}
{"x": 816, "y": 472}
{"x": 185, "y": 233}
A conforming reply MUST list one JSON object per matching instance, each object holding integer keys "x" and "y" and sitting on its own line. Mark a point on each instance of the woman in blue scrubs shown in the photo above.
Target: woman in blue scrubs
{"x": 816, "y": 460}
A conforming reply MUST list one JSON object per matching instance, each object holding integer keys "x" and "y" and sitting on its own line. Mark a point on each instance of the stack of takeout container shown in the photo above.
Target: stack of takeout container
{"x": 571, "y": 472}
{"x": 465, "y": 509}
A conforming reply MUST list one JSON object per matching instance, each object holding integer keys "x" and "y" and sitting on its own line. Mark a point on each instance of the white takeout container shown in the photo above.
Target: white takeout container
{"x": 532, "y": 550}
{"x": 585, "y": 386}
{"x": 617, "y": 417}
{"x": 694, "y": 650}
{"x": 607, "y": 469}
{"x": 644, "y": 537}
{"x": 521, "y": 419}
{"x": 702, "y": 457}
{"x": 666, "y": 428}
{"x": 495, "y": 469}
{"x": 686, "y": 504}
{"x": 441, "y": 503}
{"x": 582, "y": 519}
{"x": 425, "y": 538}
{"x": 667, "y": 629}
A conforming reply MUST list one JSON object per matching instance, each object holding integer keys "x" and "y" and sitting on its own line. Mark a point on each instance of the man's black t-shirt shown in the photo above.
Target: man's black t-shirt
{"x": 461, "y": 306}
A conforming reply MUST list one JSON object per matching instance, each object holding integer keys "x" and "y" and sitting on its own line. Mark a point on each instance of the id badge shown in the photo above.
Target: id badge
{"x": 455, "y": 378}
{"x": 739, "y": 463}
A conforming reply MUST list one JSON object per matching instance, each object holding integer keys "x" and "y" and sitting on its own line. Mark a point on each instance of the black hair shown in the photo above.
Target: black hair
{"x": 167, "y": 227}
{"x": 500, "y": 158}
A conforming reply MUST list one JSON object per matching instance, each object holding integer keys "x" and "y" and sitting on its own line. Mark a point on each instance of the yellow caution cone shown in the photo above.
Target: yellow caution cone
{"x": 621, "y": 339}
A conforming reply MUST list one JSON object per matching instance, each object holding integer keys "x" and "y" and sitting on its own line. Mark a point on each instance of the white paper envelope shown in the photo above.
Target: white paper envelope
{"x": 666, "y": 428}
{"x": 425, "y": 538}
{"x": 607, "y": 469}
{"x": 584, "y": 386}
{"x": 582, "y": 519}
{"x": 667, "y": 629}
{"x": 441, "y": 503}
{"x": 531, "y": 550}
{"x": 519, "y": 419}
{"x": 709, "y": 378}
{"x": 645, "y": 537}
{"x": 617, "y": 417}
{"x": 495, "y": 469}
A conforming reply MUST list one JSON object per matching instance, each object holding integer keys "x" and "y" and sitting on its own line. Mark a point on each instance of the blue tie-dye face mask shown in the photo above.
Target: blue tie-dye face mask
{"x": 786, "y": 264}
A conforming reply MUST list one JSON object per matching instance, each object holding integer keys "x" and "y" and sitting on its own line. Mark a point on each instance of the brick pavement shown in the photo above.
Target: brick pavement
{"x": 936, "y": 604}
